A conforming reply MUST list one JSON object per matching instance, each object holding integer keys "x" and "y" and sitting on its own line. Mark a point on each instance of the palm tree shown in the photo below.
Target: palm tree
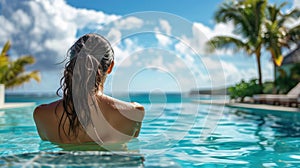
{"x": 277, "y": 34}
{"x": 12, "y": 73}
{"x": 247, "y": 17}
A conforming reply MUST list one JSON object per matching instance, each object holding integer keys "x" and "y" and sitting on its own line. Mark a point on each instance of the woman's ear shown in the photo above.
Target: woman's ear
{"x": 110, "y": 67}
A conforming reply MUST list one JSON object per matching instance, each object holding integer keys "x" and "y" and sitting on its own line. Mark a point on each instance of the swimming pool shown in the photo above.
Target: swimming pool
{"x": 170, "y": 137}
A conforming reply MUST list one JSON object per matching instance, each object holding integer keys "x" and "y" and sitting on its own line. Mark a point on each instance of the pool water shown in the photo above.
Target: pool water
{"x": 176, "y": 134}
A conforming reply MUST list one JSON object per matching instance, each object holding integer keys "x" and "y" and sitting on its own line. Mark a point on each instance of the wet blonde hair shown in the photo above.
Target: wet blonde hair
{"x": 90, "y": 57}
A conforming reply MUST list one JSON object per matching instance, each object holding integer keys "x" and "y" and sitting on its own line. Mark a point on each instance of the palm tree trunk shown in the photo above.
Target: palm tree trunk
{"x": 258, "y": 54}
{"x": 275, "y": 80}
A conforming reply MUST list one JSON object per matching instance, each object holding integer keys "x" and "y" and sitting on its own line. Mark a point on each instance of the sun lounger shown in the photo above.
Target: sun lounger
{"x": 290, "y": 99}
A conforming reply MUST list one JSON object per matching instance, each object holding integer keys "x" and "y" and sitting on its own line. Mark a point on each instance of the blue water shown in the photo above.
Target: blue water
{"x": 176, "y": 132}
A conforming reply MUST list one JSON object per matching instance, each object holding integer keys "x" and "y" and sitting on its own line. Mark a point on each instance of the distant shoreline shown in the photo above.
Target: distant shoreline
{"x": 193, "y": 92}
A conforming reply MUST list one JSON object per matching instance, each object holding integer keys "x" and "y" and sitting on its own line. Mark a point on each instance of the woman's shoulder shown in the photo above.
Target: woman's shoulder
{"x": 120, "y": 104}
{"x": 138, "y": 106}
{"x": 43, "y": 108}
{"x": 131, "y": 110}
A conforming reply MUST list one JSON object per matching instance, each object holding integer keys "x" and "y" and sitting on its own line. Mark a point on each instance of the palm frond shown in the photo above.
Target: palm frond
{"x": 294, "y": 34}
{"x": 12, "y": 73}
{"x": 5, "y": 49}
{"x": 226, "y": 42}
{"x": 295, "y": 13}
{"x": 17, "y": 67}
{"x": 247, "y": 16}
{"x": 277, "y": 35}
{"x": 21, "y": 79}
{"x": 3, "y": 56}
{"x": 229, "y": 12}
{"x": 3, "y": 61}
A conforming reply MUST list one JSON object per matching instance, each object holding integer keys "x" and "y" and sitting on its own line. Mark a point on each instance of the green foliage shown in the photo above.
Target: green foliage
{"x": 12, "y": 73}
{"x": 268, "y": 87}
{"x": 244, "y": 89}
{"x": 284, "y": 83}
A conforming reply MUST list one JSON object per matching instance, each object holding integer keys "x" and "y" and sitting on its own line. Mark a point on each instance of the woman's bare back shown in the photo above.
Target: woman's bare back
{"x": 121, "y": 121}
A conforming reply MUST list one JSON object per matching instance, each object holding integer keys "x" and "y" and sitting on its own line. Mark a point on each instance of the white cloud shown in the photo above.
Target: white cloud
{"x": 129, "y": 23}
{"x": 163, "y": 39}
{"x": 123, "y": 46}
{"x": 165, "y": 26}
{"x": 45, "y": 28}
{"x": 297, "y": 4}
{"x": 234, "y": 75}
{"x": 201, "y": 34}
{"x": 176, "y": 66}
{"x": 21, "y": 18}
{"x": 162, "y": 33}
{"x": 125, "y": 54}
{"x": 157, "y": 62}
{"x": 7, "y": 29}
{"x": 118, "y": 26}
{"x": 182, "y": 47}
{"x": 114, "y": 36}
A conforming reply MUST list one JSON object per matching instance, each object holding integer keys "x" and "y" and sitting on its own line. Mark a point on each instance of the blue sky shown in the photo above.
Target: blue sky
{"x": 162, "y": 50}
{"x": 193, "y": 10}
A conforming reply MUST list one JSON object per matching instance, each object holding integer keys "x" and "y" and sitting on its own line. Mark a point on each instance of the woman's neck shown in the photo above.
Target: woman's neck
{"x": 100, "y": 90}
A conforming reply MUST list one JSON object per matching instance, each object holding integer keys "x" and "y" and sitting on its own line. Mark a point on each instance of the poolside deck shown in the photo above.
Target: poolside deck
{"x": 249, "y": 105}
{"x": 15, "y": 105}
{"x": 213, "y": 102}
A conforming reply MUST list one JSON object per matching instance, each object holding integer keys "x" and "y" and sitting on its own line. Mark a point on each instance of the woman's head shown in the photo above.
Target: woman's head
{"x": 92, "y": 52}
{"x": 91, "y": 59}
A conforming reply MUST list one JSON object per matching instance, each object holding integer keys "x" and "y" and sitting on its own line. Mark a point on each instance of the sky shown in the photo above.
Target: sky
{"x": 159, "y": 45}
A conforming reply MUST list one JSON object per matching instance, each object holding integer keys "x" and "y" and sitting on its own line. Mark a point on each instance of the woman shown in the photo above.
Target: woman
{"x": 85, "y": 114}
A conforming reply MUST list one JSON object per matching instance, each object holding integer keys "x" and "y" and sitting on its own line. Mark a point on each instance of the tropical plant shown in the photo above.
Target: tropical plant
{"x": 12, "y": 72}
{"x": 268, "y": 87}
{"x": 247, "y": 17}
{"x": 244, "y": 89}
{"x": 277, "y": 34}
